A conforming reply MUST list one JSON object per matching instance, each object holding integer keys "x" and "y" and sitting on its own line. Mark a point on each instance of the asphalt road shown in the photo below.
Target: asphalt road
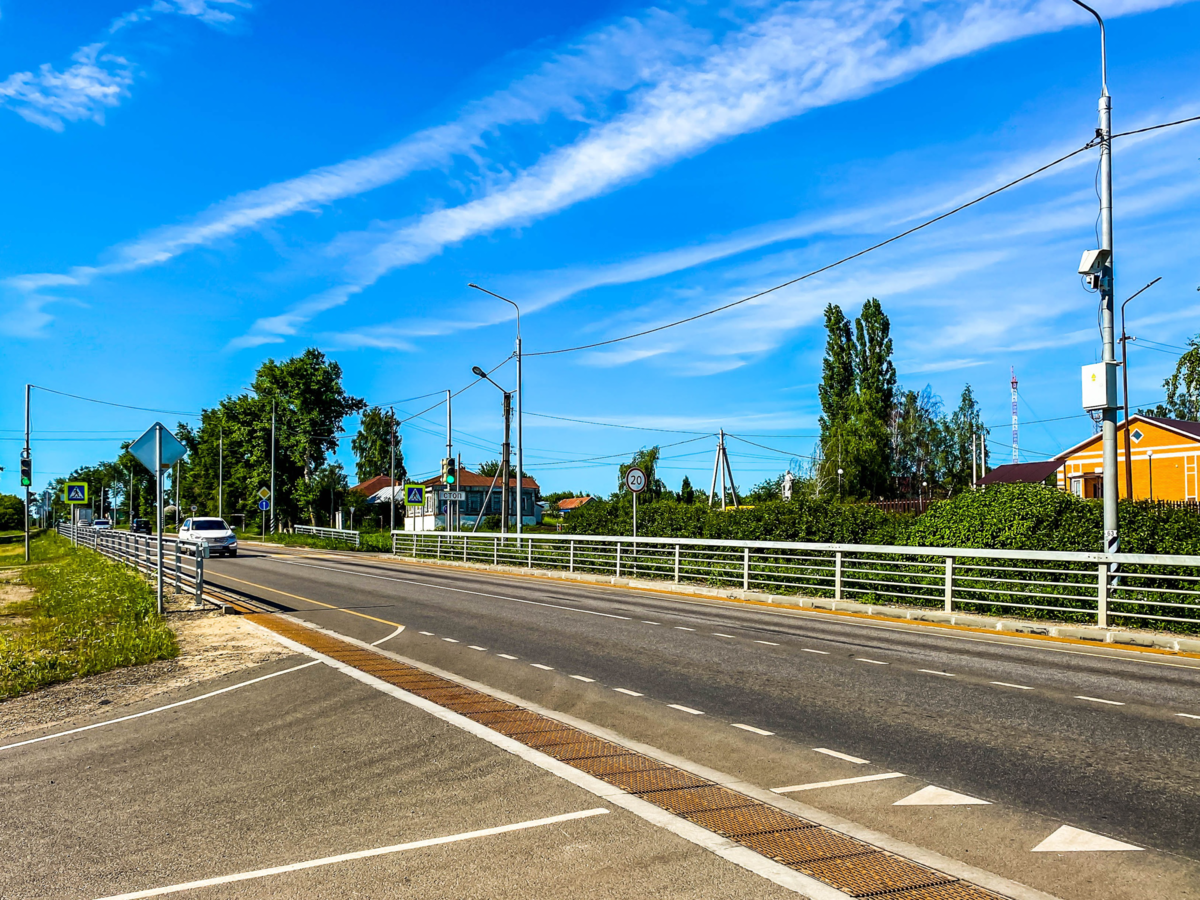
{"x": 1100, "y": 739}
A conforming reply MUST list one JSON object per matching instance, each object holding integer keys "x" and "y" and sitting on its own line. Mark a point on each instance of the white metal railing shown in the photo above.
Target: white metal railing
{"x": 1159, "y": 590}
{"x": 336, "y": 534}
{"x": 183, "y": 561}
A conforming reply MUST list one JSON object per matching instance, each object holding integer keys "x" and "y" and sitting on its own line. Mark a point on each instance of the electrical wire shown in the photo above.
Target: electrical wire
{"x": 168, "y": 412}
{"x": 614, "y": 425}
{"x": 772, "y": 449}
{"x": 1156, "y": 127}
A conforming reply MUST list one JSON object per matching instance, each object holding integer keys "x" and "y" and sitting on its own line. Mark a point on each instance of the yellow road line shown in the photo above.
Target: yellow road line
{"x": 309, "y": 600}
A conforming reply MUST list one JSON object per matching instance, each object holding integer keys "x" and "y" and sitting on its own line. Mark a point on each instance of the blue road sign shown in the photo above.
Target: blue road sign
{"x": 264, "y": 505}
{"x": 414, "y": 495}
{"x": 143, "y": 448}
{"x": 77, "y": 492}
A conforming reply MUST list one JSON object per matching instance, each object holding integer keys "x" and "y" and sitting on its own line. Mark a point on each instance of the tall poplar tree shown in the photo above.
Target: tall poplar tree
{"x": 372, "y": 446}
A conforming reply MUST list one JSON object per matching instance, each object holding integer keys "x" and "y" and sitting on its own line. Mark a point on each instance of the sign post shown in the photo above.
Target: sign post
{"x": 157, "y": 449}
{"x": 635, "y": 480}
{"x": 75, "y": 493}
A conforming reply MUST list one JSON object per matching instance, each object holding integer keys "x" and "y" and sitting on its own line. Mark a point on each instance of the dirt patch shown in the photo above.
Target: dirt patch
{"x": 210, "y": 645}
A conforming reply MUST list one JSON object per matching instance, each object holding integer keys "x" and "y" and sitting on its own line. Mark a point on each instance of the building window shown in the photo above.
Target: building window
{"x": 1136, "y": 434}
{"x": 1077, "y": 487}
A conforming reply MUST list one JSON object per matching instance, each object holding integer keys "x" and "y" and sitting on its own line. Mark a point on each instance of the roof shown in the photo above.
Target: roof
{"x": 1179, "y": 426}
{"x": 373, "y": 485}
{"x": 572, "y": 503}
{"x": 469, "y": 479}
{"x": 1022, "y": 473}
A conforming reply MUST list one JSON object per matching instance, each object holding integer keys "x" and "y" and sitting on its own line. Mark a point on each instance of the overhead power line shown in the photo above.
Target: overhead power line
{"x": 167, "y": 412}
{"x": 614, "y": 425}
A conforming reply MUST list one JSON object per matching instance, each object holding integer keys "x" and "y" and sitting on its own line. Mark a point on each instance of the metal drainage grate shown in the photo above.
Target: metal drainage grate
{"x": 850, "y": 865}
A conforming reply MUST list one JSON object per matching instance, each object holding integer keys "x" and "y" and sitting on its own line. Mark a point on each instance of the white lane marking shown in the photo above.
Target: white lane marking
{"x": 768, "y": 643}
{"x": 540, "y": 666}
{"x": 1098, "y": 700}
{"x": 474, "y": 647}
{"x": 647, "y": 622}
{"x": 686, "y": 709}
{"x": 583, "y": 678}
{"x": 718, "y": 634}
{"x": 426, "y": 633}
{"x": 1185, "y": 715}
{"x": 936, "y": 796}
{"x": 388, "y": 638}
{"x": 791, "y": 789}
{"x": 1074, "y": 840}
{"x": 450, "y": 640}
{"x": 361, "y": 854}
{"x": 844, "y": 756}
{"x": 506, "y": 656}
{"x": 629, "y": 692}
{"x": 873, "y": 662}
{"x": 159, "y": 708}
{"x": 753, "y": 729}
{"x": 682, "y": 628}
{"x": 347, "y": 570}
{"x": 936, "y": 672}
{"x": 1019, "y": 687}
{"x": 806, "y": 650}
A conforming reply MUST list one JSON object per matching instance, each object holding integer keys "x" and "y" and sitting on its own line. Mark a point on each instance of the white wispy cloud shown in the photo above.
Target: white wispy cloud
{"x": 798, "y": 57}
{"x": 98, "y": 78}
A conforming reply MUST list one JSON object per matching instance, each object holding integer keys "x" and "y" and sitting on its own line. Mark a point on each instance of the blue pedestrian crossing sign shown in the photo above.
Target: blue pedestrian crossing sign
{"x": 414, "y": 495}
{"x": 264, "y": 505}
{"x": 75, "y": 492}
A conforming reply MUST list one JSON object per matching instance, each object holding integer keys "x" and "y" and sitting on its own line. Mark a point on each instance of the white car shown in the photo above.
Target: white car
{"x": 101, "y": 523}
{"x": 220, "y": 537}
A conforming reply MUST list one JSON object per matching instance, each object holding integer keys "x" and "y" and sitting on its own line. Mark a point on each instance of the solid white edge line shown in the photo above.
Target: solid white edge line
{"x": 1019, "y": 687}
{"x": 643, "y": 809}
{"x": 793, "y": 788}
{"x": 839, "y": 755}
{"x": 147, "y": 712}
{"x": 686, "y": 709}
{"x": 936, "y": 672}
{"x": 399, "y": 629}
{"x": 753, "y": 729}
{"x": 1098, "y": 700}
{"x": 360, "y": 854}
{"x": 694, "y": 833}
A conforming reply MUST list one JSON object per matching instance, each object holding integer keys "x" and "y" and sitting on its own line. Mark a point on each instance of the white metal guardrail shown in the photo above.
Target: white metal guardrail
{"x": 1155, "y": 590}
{"x": 183, "y": 561}
{"x": 336, "y": 534}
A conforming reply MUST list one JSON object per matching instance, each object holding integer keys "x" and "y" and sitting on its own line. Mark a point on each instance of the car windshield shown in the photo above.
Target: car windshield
{"x": 209, "y": 525}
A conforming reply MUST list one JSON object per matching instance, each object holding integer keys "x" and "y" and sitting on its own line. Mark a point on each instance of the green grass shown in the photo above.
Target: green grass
{"x": 42, "y": 548}
{"x": 369, "y": 541}
{"x": 88, "y": 615}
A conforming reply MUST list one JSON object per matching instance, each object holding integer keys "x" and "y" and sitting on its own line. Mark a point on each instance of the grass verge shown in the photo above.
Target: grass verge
{"x": 43, "y": 548}
{"x": 371, "y": 541}
{"x": 88, "y": 615}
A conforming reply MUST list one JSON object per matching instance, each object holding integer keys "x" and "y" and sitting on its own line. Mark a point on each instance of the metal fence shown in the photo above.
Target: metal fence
{"x": 334, "y": 534}
{"x": 1145, "y": 590}
{"x": 183, "y": 561}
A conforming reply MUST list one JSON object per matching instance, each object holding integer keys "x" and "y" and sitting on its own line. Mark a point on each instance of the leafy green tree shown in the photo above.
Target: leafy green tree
{"x": 491, "y": 467}
{"x": 961, "y": 429}
{"x": 372, "y": 446}
{"x": 837, "y": 387}
{"x": 1183, "y": 387}
{"x": 918, "y": 438}
{"x": 12, "y": 512}
{"x": 687, "y": 493}
{"x": 645, "y": 459}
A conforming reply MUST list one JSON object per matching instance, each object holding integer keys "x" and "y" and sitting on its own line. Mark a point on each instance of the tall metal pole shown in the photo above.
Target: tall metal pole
{"x": 25, "y": 488}
{"x": 221, "y": 474}
{"x": 158, "y": 480}
{"x": 131, "y": 498}
{"x": 520, "y": 431}
{"x": 449, "y": 436}
{"x": 392, "y": 470}
{"x": 272, "y": 465}
{"x": 1109, "y": 421}
{"x": 506, "y": 468}
{"x": 1125, "y": 392}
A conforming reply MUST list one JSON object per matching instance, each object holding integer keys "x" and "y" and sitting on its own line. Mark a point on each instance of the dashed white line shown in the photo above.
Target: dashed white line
{"x": 718, "y": 634}
{"x": 648, "y": 622}
{"x": 682, "y": 628}
{"x": 506, "y": 656}
{"x": 844, "y": 756}
{"x": 583, "y": 678}
{"x": 686, "y": 709}
{"x": 1188, "y": 715}
{"x": 629, "y": 692}
{"x": 768, "y": 643}
{"x": 450, "y": 640}
{"x": 936, "y": 672}
{"x": 426, "y": 633}
{"x": 824, "y": 784}
{"x": 1098, "y": 700}
{"x": 753, "y": 729}
{"x": 806, "y": 650}
{"x": 1019, "y": 687}
{"x": 540, "y": 666}
{"x": 873, "y": 662}
{"x": 474, "y": 647}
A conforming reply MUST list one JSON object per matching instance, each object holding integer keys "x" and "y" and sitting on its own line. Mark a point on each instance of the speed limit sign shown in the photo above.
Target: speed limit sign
{"x": 635, "y": 480}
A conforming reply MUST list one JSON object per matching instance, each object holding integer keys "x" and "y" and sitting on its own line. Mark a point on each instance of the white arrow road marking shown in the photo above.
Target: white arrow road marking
{"x": 936, "y": 796}
{"x": 1076, "y": 840}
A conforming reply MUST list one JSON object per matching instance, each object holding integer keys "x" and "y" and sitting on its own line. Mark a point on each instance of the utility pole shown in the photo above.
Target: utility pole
{"x": 221, "y": 474}
{"x": 974, "y": 476}
{"x": 1013, "y": 371}
{"x": 505, "y": 469}
{"x": 1125, "y": 392}
{"x": 29, "y": 461}
{"x": 158, "y": 481}
{"x": 392, "y": 470}
{"x": 272, "y": 465}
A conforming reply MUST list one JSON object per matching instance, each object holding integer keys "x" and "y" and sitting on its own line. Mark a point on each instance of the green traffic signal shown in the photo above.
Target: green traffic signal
{"x": 26, "y": 472}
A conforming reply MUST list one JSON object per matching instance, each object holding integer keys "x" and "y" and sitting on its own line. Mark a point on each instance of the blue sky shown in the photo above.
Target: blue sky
{"x": 196, "y": 185}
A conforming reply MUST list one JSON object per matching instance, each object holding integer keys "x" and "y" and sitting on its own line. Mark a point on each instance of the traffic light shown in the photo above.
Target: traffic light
{"x": 449, "y": 471}
{"x": 26, "y": 471}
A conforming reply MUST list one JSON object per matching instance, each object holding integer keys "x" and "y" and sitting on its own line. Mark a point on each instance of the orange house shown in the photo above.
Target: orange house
{"x": 1163, "y": 452}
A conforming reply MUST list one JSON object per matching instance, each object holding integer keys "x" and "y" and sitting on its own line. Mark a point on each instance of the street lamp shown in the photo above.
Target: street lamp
{"x": 1150, "y": 471}
{"x": 840, "y": 482}
{"x": 520, "y": 392}
{"x": 1125, "y": 392}
{"x": 504, "y": 449}
{"x": 1104, "y": 281}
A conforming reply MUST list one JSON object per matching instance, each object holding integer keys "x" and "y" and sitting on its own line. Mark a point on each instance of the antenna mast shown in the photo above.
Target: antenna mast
{"x": 1014, "y": 411}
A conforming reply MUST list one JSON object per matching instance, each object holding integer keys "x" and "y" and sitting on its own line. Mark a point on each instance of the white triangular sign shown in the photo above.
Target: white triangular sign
{"x": 936, "y": 796}
{"x": 1076, "y": 840}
